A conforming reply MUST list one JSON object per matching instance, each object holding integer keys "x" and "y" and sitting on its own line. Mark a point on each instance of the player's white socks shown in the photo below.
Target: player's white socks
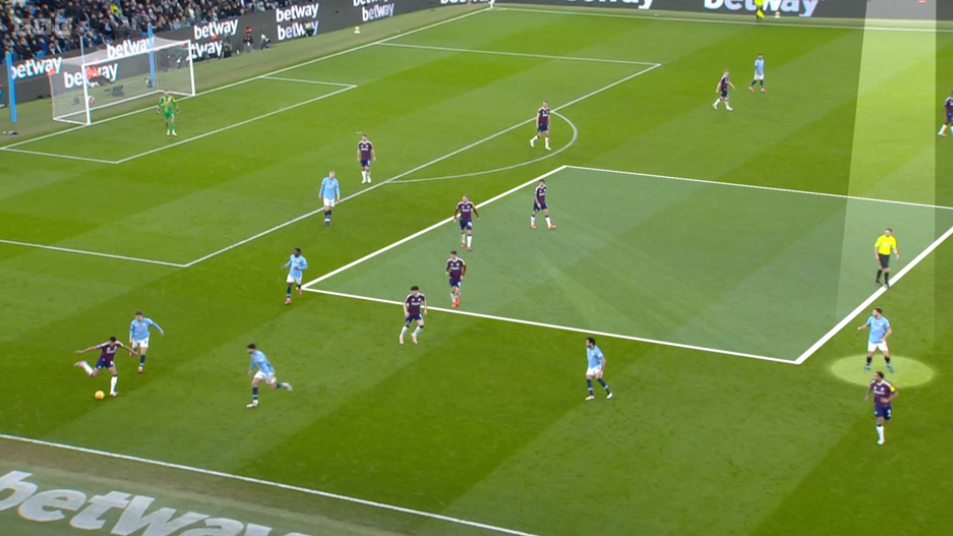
{"x": 417, "y": 331}
{"x": 532, "y": 220}
{"x": 86, "y": 367}
{"x": 942, "y": 129}
{"x": 547, "y": 142}
{"x": 368, "y": 176}
{"x": 403, "y": 331}
{"x": 548, "y": 221}
{"x": 716, "y": 103}
{"x": 363, "y": 176}
{"x": 880, "y": 432}
{"x": 469, "y": 240}
{"x": 112, "y": 384}
{"x": 728, "y": 107}
{"x": 532, "y": 141}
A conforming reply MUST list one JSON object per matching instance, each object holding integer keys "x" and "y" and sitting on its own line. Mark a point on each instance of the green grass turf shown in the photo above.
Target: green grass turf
{"x": 647, "y": 257}
{"x": 485, "y": 420}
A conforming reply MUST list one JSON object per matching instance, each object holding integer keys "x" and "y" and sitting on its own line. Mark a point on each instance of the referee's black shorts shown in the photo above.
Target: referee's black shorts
{"x": 884, "y": 260}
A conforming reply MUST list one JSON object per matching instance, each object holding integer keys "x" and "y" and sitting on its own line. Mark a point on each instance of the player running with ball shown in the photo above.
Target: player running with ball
{"x": 168, "y": 108}
{"x": 107, "y": 360}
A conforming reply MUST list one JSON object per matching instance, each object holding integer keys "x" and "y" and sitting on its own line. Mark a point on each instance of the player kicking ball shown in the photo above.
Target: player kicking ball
{"x": 265, "y": 372}
{"x": 542, "y": 126}
{"x": 139, "y": 337}
{"x": 456, "y": 269}
{"x": 107, "y": 360}
{"x": 722, "y": 90}
{"x": 597, "y": 365}
{"x": 296, "y": 266}
{"x": 168, "y": 108}
{"x": 415, "y": 308}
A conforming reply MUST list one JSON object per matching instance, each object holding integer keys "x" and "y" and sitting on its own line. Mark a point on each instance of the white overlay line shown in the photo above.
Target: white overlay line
{"x": 56, "y": 155}
{"x": 873, "y": 297}
{"x": 427, "y": 230}
{"x": 250, "y": 480}
{"x": 517, "y": 54}
{"x": 92, "y": 253}
{"x": 561, "y": 328}
{"x": 416, "y": 169}
{"x": 767, "y": 188}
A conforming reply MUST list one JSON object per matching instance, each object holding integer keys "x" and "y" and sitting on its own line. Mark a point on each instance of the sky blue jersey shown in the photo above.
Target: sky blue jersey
{"x": 595, "y": 356}
{"x": 329, "y": 188}
{"x": 759, "y": 66}
{"x": 878, "y": 328}
{"x": 139, "y": 330}
{"x": 296, "y": 265}
{"x": 259, "y": 361}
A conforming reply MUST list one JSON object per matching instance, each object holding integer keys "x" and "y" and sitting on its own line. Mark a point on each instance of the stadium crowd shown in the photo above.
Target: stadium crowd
{"x": 34, "y": 29}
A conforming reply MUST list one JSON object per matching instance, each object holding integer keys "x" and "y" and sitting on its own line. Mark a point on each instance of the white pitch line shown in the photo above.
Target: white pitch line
{"x": 252, "y": 79}
{"x": 91, "y": 253}
{"x": 769, "y": 23}
{"x": 250, "y": 480}
{"x": 427, "y": 230}
{"x": 234, "y": 125}
{"x": 575, "y": 136}
{"x": 414, "y": 170}
{"x": 766, "y": 188}
{"x": 873, "y": 297}
{"x": 303, "y": 81}
{"x": 55, "y": 155}
{"x": 517, "y": 54}
{"x": 562, "y": 328}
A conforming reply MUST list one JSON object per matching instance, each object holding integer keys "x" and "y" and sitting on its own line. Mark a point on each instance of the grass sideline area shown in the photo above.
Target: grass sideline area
{"x": 484, "y": 422}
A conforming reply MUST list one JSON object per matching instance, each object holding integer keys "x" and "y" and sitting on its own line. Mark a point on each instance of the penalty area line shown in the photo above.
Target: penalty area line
{"x": 406, "y": 239}
{"x": 561, "y": 328}
{"x": 91, "y": 253}
{"x": 873, "y": 297}
{"x": 278, "y": 485}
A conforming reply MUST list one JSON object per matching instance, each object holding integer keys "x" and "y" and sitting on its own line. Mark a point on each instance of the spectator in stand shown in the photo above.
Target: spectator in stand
{"x": 41, "y": 28}
{"x": 248, "y": 41}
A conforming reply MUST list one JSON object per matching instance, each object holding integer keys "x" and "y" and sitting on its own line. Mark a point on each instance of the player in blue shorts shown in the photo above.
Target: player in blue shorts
{"x": 107, "y": 360}
{"x": 415, "y": 308}
{"x": 265, "y": 372}
{"x": 139, "y": 336}
{"x": 542, "y": 125}
{"x": 722, "y": 91}
{"x": 948, "y": 107}
{"x": 884, "y": 394}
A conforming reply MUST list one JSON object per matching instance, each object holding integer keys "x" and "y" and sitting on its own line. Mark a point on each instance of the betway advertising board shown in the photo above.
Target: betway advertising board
{"x": 800, "y": 8}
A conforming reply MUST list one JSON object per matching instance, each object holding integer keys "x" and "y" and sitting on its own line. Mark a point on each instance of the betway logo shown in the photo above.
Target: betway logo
{"x": 296, "y": 12}
{"x": 640, "y": 4}
{"x": 53, "y": 505}
{"x": 127, "y": 48}
{"x": 71, "y": 80}
{"x": 217, "y": 29}
{"x": 31, "y": 68}
{"x": 803, "y": 8}
{"x": 377, "y": 11}
{"x": 211, "y": 49}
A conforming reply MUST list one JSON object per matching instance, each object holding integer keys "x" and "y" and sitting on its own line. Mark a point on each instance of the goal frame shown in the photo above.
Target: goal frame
{"x": 83, "y": 65}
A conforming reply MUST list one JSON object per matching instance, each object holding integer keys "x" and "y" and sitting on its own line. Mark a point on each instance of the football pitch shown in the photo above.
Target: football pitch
{"x": 706, "y": 251}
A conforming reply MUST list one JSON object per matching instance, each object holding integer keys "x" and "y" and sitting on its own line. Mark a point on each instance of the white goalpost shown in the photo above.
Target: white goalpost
{"x": 121, "y": 73}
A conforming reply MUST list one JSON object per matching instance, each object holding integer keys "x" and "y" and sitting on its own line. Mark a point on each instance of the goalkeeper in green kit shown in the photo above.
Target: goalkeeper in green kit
{"x": 168, "y": 108}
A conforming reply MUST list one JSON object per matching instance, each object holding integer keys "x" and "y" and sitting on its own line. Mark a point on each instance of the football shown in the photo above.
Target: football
{"x": 100, "y": 395}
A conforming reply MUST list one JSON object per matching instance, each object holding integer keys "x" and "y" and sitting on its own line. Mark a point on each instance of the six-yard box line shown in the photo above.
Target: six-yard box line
{"x": 801, "y": 359}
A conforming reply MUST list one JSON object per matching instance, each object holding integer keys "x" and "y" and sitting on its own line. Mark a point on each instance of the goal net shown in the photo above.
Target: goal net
{"x": 120, "y": 73}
